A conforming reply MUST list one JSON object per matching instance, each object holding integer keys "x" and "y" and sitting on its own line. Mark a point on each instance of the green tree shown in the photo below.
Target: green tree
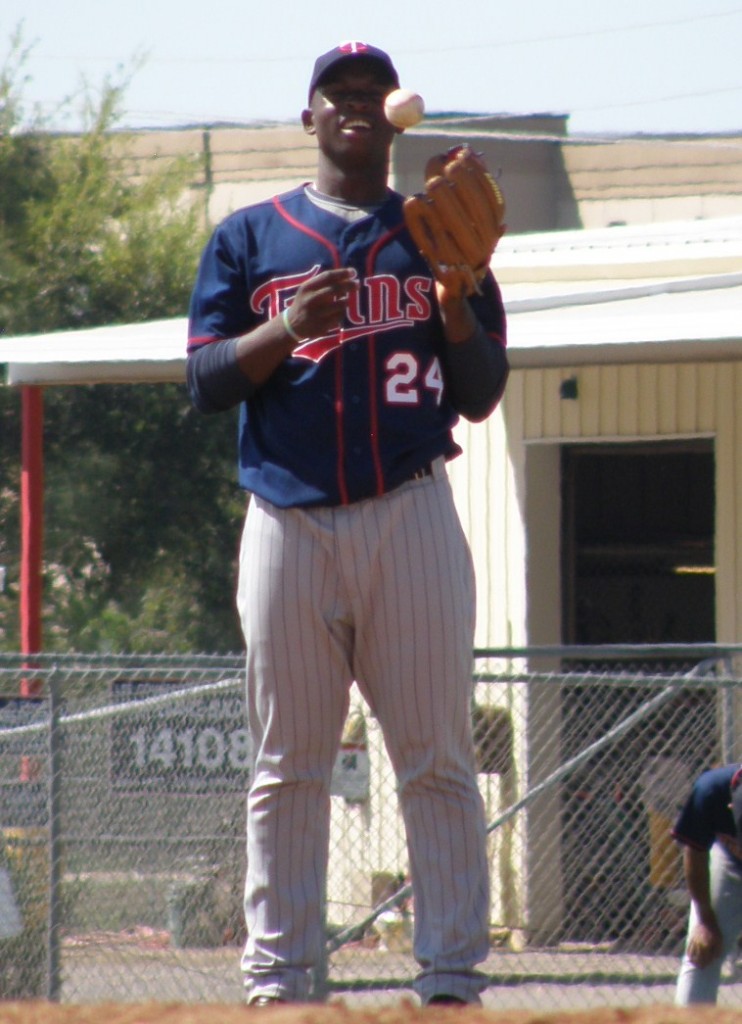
{"x": 142, "y": 511}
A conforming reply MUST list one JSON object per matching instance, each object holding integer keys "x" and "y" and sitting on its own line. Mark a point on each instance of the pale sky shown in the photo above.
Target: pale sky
{"x": 639, "y": 66}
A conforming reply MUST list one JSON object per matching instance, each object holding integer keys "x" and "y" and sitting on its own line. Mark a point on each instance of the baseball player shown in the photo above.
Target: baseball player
{"x": 315, "y": 312}
{"x": 710, "y": 829}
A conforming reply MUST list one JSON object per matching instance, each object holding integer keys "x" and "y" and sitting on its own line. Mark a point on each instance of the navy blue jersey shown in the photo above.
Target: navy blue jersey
{"x": 706, "y": 817}
{"x": 353, "y": 414}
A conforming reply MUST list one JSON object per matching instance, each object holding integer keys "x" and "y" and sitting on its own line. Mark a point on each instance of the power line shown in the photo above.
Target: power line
{"x": 651, "y": 101}
{"x": 447, "y": 47}
{"x": 583, "y": 33}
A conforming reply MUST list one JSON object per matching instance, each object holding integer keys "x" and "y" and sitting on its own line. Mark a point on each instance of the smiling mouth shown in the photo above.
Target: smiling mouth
{"x": 353, "y": 124}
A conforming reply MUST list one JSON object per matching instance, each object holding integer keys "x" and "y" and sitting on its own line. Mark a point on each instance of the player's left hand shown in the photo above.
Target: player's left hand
{"x": 704, "y": 945}
{"x": 450, "y": 296}
{"x": 457, "y": 316}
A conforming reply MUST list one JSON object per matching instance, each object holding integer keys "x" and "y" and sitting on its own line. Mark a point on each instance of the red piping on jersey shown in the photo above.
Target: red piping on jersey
{"x": 308, "y": 231}
{"x": 339, "y": 410}
{"x": 199, "y": 342}
{"x": 374, "y": 411}
{"x": 372, "y": 369}
{"x": 342, "y": 484}
{"x": 373, "y": 402}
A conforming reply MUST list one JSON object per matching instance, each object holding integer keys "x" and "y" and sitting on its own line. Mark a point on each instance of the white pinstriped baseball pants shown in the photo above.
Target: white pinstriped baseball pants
{"x": 381, "y": 592}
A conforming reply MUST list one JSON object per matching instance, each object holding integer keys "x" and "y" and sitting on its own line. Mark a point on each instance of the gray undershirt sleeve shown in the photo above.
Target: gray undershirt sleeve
{"x": 215, "y": 381}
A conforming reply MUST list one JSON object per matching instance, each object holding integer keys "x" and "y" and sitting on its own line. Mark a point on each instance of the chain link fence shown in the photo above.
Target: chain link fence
{"x": 122, "y": 854}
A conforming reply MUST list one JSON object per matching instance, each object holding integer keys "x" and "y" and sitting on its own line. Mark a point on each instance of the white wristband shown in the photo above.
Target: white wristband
{"x": 289, "y": 329}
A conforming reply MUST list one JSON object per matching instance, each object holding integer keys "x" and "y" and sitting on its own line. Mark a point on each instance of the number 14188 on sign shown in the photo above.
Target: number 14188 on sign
{"x": 178, "y": 757}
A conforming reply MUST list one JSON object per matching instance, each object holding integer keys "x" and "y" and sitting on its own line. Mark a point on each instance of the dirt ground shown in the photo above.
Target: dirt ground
{"x": 170, "y": 1013}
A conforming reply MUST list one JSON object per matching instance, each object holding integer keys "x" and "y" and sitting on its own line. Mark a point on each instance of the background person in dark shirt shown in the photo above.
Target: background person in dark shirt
{"x": 710, "y": 829}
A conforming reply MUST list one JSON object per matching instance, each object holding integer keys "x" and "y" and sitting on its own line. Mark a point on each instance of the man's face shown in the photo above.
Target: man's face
{"x": 347, "y": 110}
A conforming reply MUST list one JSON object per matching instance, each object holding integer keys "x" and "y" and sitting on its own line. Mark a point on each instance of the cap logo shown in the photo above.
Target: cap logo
{"x": 353, "y": 47}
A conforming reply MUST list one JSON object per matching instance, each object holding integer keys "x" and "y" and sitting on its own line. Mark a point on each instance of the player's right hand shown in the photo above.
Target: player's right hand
{"x": 704, "y": 945}
{"x": 320, "y": 303}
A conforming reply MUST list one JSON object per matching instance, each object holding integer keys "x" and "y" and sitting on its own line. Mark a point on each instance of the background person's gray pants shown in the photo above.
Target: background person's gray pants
{"x": 701, "y": 984}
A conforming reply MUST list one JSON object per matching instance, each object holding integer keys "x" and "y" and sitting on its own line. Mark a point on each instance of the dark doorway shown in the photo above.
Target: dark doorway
{"x": 638, "y": 568}
{"x": 638, "y": 547}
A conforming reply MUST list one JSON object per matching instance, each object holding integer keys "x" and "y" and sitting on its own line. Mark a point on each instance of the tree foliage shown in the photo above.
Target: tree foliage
{"x": 142, "y": 512}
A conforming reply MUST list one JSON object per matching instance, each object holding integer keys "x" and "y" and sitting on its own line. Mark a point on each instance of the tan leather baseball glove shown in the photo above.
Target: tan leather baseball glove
{"x": 457, "y": 221}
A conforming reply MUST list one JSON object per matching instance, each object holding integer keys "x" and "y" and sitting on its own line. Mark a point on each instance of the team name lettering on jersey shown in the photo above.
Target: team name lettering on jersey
{"x": 383, "y": 303}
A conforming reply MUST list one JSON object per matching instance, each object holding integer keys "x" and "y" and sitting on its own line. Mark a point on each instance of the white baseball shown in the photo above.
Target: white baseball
{"x": 404, "y": 108}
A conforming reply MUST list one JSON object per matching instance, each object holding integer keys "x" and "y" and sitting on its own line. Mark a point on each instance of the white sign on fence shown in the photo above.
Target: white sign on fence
{"x": 351, "y": 777}
{"x": 11, "y": 923}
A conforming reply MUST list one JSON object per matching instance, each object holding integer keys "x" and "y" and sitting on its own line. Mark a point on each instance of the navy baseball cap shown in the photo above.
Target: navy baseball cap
{"x": 349, "y": 51}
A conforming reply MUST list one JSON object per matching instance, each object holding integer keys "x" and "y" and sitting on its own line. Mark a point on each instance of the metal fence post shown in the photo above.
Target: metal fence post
{"x": 55, "y": 870}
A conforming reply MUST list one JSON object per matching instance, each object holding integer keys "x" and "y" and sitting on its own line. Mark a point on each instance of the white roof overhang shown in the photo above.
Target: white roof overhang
{"x": 152, "y": 352}
{"x": 690, "y": 321}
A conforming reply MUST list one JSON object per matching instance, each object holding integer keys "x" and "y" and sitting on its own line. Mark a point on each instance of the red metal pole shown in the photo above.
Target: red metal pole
{"x": 32, "y": 526}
